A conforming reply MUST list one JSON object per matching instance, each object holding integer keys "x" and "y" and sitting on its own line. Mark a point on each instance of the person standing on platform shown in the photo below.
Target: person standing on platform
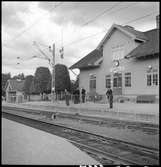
{"x": 76, "y": 96}
{"x": 83, "y": 93}
{"x": 67, "y": 97}
{"x": 109, "y": 95}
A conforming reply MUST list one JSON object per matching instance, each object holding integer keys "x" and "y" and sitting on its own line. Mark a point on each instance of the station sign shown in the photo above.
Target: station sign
{"x": 117, "y": 69}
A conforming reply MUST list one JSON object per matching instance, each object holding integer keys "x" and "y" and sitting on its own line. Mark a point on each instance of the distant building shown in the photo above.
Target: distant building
{"x": 14, "y": 90}
{"x": 127, "y": 60}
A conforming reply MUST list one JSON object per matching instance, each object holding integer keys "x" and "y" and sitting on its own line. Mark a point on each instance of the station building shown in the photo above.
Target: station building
{"x": 127, "y": 60}
{"x": 14, "y": 90}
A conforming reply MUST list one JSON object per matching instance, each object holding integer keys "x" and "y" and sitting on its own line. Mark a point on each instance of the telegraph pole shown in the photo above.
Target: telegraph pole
{"x": 52, "y": 63}
{"x": 53, "y": 75}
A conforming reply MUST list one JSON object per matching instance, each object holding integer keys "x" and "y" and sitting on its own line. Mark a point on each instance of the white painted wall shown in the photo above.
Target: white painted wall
{"x": 136, "y": 67}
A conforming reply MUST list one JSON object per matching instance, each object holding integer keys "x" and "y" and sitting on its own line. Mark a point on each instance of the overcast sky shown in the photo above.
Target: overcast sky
{"x": 71, "y": 24}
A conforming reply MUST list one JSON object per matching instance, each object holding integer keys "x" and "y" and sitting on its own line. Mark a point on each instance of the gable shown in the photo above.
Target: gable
{"x": 148, "y": 48}
{"x": 8, "y": 86}
{"x": 118, "y": 37}
{"x": 129, "y": 31}
{"x": 15, "y": 85}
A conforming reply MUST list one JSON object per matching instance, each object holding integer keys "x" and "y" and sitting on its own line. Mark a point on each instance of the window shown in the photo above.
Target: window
{"x": 155, "y": 79}
{"x": 108, "y": 81}
{"x": 117, "y": 52}
{"x": 128, "y": 79}
{"x": 149, "y": 80}
{"x": 92, "y": 82}
{"x": 152, "y": 78}
{"x": 117, "y": 80}
{"x": 119, "y": 84}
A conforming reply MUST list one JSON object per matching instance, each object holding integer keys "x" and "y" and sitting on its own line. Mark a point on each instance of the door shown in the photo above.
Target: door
{"x": 117, "y": 84}
{"x": 92, "y": 85}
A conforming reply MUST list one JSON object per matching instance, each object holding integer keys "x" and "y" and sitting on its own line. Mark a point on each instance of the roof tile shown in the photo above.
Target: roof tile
{"x": 150, "y": 47}
{"x": 89, "y": 60}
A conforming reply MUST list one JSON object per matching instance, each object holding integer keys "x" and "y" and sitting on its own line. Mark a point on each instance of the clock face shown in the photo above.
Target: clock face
{"x": 116, "y": 63}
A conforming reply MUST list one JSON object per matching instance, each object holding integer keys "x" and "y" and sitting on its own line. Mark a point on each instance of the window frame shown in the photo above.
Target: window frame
{"x": 128, "y": 77}
{"x": 92, "y": 82}
{"x": 153, "y": 75}
{"x": 108, "y": 81}
{"x": 155, "y": 80}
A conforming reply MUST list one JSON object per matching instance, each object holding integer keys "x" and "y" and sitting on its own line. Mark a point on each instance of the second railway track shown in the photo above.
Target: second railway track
{"x": 106, "y": 150}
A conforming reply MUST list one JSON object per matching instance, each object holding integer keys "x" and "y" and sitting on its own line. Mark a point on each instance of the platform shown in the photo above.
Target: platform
{"x": 23, "y": 145}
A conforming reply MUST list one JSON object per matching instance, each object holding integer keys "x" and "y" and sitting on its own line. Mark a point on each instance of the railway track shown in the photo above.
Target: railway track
{"x": 105, "y": 150}
{"x": 104, "y": 122}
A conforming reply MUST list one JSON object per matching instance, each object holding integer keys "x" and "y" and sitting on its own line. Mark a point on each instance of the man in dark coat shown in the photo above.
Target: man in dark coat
{"x": 76, "y": 96}
{"x": 67, "y": 97}
{"x": 83, "y": 92}
{"x": 110, "y": 97}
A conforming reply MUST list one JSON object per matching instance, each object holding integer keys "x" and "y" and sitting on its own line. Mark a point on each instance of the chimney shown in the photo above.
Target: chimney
{"x": 157, "y": 21}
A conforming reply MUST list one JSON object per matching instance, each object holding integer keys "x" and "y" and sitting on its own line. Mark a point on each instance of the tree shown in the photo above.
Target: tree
{"x": 41, "y": 80}
{"x": 19, "y": 76}
{"x": 32, "y": 88}
{"x": 62, "y": 78}
{"x": 5, "y": 78}
{"x": 27, "y": 85}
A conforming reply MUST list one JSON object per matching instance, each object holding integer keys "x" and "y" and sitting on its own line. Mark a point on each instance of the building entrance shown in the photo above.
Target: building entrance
{"x": 117, "y": 84}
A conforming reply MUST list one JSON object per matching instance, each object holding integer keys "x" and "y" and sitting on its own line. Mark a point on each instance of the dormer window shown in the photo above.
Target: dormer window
{"x": 138, "y": 41}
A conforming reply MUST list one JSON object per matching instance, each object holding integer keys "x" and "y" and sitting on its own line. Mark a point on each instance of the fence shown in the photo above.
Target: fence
{"x": 96, "y": 98}
{"x": 92, "y": 98}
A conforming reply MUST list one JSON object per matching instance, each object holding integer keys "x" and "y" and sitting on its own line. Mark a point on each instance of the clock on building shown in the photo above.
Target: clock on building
{"x": 116, "y": 63}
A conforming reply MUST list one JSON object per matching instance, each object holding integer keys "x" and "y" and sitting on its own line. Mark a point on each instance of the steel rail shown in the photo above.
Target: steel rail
{"x": 88, "y": 149}
{"x": 105, "y": 154}
{"x": 151, "y": 126}
{"x": 36, "y": 111}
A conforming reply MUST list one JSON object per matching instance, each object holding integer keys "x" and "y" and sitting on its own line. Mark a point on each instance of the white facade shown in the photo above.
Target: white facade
{"x": 137, "y": 67}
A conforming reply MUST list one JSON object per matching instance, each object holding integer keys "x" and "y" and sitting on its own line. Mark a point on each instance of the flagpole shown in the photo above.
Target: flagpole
{"x": 62, "y": 36}
{"x": 53, "y": 75}
{"x": 62, "y": 41}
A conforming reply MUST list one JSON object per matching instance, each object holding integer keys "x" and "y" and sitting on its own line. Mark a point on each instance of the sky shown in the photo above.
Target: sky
{"x": 29, "y": 28}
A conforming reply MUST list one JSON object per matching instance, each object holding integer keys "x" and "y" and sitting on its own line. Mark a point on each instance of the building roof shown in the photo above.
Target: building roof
{"x": 16, "y": 85}
{"x": 128, "y": 30}
{"x": 150, "y": 47}
{"x": 138, "y": 34}
{"x": 89, "y": 61}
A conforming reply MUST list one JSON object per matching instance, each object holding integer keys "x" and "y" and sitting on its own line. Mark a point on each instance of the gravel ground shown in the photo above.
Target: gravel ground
{"x": 133, "y": 112}
{"x": 131, "y": 135}
{"x": 137, "y": 136}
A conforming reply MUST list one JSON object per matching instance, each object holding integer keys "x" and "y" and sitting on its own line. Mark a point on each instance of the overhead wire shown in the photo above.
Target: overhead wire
{"x": 125, "y": 7}
{"x": 79, "y": 40}
{"x": 101, "y": 14}
{"x": 139, "y": 18}
{"x": 107, "y": 11}
{"x": 37, "y": 20}
{"x": 134, "y": 20}
{"x": 97, "y": 16}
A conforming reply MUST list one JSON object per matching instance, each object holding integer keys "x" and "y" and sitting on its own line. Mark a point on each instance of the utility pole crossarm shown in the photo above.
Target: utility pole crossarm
{"x": 41, "y": 51}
